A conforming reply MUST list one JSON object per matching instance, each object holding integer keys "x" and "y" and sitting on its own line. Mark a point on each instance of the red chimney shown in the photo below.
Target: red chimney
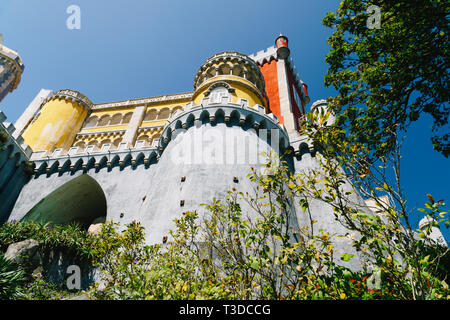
{"x": 282, "y": 47}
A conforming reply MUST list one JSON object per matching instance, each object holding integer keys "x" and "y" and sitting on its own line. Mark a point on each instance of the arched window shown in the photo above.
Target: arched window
{"x": 92, "y": 122}
{"x": 177, "y": 109}
{"x": 155, "y": 139}
{"x": 116, "y": 119}
{"x": 217, "y": 94}
{"x": 237, "y": 71}
{"x": 116, "y": 143}
{"x": 81, "y": 145}
{"x": 127, "y": 117}
{"x": 250, "y": 77}
{"x": 164, "y": 114}
{"x": 92, "y": 146}
{"x": 105, "y": 145}
{"x": 142, "y": 142}
{"x": 104, "y": 120}
{"x": 151, "y": 115}
{"x": 224, "y": 69}
{"x": 211, "y": 72}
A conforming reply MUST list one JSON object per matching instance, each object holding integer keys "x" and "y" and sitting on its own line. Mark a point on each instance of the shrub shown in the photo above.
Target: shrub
{"x": 11, "y": 278}
{"x": 70, "y": 239}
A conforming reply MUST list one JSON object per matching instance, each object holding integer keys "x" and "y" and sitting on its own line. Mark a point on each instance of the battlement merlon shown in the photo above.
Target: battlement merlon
{"x": 15, "y": 141}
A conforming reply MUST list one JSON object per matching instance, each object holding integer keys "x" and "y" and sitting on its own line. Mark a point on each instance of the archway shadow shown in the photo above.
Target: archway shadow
{"x": 80, "y": 200}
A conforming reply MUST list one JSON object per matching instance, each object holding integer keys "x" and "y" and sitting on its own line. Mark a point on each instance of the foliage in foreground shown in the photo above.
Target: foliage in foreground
{"x": 388, "y": 77}
{"x": 11, "y": 278}
{"x": 70, "y": 239}
{"x": 16, "y": 279}
{"x": 230, "y": 255}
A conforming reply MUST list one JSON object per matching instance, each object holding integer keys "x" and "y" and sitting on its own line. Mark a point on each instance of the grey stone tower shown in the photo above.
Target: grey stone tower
{"x": 11, "y": 68}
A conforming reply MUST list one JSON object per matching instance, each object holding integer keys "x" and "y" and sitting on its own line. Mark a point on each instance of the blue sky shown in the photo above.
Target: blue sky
{"x": 135, "y": 48}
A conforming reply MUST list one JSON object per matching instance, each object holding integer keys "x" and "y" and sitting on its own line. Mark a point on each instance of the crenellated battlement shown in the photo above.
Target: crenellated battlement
{"x": 70, "y": 95}
{"x": 15, "y": 169}
{"x": 17, "y": 143}
{"x": 264, "y": 56}
{"x": 230, "y": 64}
{"x": 86, "y": 161}
{"x": 233, "y": 114}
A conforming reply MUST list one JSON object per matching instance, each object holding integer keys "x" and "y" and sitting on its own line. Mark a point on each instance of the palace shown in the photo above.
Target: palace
{"x": 151, "y": 159}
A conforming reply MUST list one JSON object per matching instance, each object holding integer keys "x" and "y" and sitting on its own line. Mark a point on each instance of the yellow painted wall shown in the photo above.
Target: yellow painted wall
{"x": 106, "y": 128}
{"x": 56, "y": 126}
{"x": 153, "y": 123}
{"x": 242, "y": 91}
{"x": 163, "y": 105}
{"x": 100, "y": 113}
{"x": 123, "y": 111}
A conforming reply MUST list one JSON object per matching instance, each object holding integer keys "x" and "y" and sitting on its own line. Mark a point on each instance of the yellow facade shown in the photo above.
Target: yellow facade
{"x": 56, "y": 126}
{"x": 243, "y": 90}
{"x": 68, "y": 119}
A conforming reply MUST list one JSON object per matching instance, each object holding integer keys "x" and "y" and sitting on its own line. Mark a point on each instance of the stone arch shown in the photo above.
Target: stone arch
{"x": 263, "y": 124}
{"x": 219, "y": 115}
{"x": 115, "y": 161}
{"x": 103, "y": 144}
{"x": 204, "y": 116}
{"x": 127, "y": 118}
{"x": 190, "y": 120}
{"x": 65, "y": 166}
{"x": 238, "y": 71}
{"x": 116, "y": 143}
{"x": 250, "y": 76}
{"x": 116, "y": 119}
{"x": 93, "y": 143}
{"x": 77, "y": 165}
{"x": 42, "y": 168}
{"x": 249, "y": 121}
{"x": 92, "y": 122}
{"x": 176, "y": 109}
{"x": 82, "y": 199}
{"x": 178, "y": 124}
{"x": 235, "y": 115}
{"x": 211, "y": 73}
{"x": 81, "y": 145}
{"x": 104, "y": 120}
{"x": 91, "y": 163}
{"x": 54, "y": 167}
{"x": 224, "y": 69}
{"x": 155, "y": 138}
{"x": 151, "y": 115}
{"x": 104, "y": 141}
{"x": 102, "y": 163}
{"x": 164, "y": 114}
{"x": 144, "y": 138}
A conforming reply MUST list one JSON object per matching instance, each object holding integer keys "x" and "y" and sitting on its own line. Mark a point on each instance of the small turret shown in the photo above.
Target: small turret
{"x": 431, "y": 230}
{"x": 58, "y": 121}
{"x": 230, "y": 75}
{"x": 11, "y": 68}
{"x": 320, "y": 109}
{"x": 281, "y": 43}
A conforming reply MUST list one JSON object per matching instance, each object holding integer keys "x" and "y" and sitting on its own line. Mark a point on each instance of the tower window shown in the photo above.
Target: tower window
{"x": 217, "y": 94}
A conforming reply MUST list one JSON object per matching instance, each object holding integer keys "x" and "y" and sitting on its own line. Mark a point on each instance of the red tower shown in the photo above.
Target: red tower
{"x": 288, "y": 95}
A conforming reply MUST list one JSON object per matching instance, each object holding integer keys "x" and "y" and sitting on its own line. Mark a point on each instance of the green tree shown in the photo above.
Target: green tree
{"x": 388, "y": 76}
{"x": 255, "y": 253}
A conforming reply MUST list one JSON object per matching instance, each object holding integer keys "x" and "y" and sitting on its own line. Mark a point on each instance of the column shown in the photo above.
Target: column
{"x": 130, "y": 134}
{"x": 285, "y": 97}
